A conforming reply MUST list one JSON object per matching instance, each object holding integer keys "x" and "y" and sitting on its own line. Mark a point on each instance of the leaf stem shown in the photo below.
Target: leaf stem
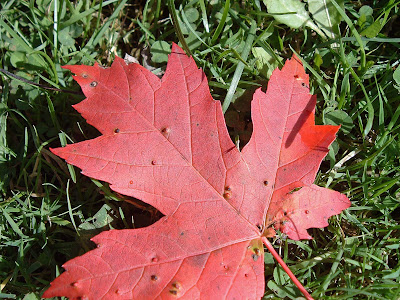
{"x": 286, "y": 268}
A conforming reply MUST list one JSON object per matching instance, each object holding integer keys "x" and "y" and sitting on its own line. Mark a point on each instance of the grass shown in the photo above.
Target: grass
{"x": 49, "y": 211}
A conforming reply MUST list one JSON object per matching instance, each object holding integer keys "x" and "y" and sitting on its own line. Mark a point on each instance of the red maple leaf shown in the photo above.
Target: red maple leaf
{"x": 165, "y": 142}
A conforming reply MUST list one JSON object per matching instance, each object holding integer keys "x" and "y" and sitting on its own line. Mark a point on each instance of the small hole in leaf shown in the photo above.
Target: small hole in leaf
{"x": 85, "y": 76}
{"x": 307, "y": 211}
{"x": 285, "y": 213}
{"x": 227, "y": 188}
{"x": 254, "y": 257}
{"x": 131, "y": 182}
{"x": 226, "y": 267}
{"x": 93, "y": 83}
{"x": 154, "y": 259}
{"x": 257, "y": 251}
{"x": 246, "y": 275}
{"x": 153, "y": 162}
{"x": 265, "y": 182}
{"x": 116, "y": 130}
{"x": 173, "y": 292}
{"x": 74, "y": 284}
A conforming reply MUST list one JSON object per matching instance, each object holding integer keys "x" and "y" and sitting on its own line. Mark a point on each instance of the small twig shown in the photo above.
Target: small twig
{"x": 286, "y": 268}
{"x": 38, "y": 84}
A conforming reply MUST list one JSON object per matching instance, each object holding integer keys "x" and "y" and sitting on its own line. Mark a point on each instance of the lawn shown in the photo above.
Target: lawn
{"x": 49, "y": 211}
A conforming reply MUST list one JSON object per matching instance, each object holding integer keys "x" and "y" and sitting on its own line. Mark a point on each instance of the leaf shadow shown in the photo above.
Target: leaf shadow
{"x": 304, "y": 115}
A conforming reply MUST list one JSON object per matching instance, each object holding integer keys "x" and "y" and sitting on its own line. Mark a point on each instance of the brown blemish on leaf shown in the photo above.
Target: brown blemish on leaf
{"x": 166, "y": 130}
{"x": 227, "y": 195}
{"x": 176, "y": 285}
{"x": 154, "y": 277}
{"x": 93, "y": 84}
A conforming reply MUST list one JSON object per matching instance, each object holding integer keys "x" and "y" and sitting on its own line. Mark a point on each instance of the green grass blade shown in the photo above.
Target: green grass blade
{"x": 240, "y": 66}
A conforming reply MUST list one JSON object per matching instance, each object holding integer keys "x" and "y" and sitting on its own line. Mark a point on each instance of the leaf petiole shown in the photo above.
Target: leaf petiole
{"x": 286, "y": 268}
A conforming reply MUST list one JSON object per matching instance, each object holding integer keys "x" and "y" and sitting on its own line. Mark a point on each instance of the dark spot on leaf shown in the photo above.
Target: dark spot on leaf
{"x": 246, "y": 275}
{"x": 254, "y": 257}
{"x": 74, "y": 284}
{"x": 93, "y": 83}
{"x": 296, "y": 76}
{"x": 176, "y": 285}
{"x": 116, "y": 130}
{"x": 154, "y": 259}
{"x": 265, "y": 182}
{"x": 304, "y": 85}
{"x": 154, "y": 277}
{"x": 307, "y": 211}
{"x": 226, "y": 267}
{"x": 260, "y": 227}
{"x": 228, "y": 195}
{"x": 285, "y": 213}
{"x": 153, "y": 162}
{"x": 257, "y": 251}
{"x": 173, "y": 292}
{"x": 85, "y": 76}
{"x": 227, "y": 188}
{"x": 165, "y": 130}
{"x": 182, "y": 233}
